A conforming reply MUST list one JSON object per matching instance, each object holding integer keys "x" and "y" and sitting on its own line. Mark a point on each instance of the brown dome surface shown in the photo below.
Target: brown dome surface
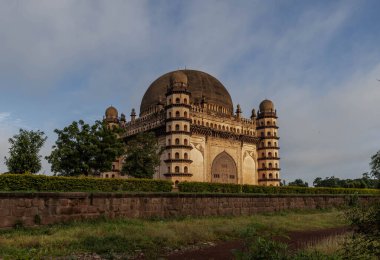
{"x": 266, "y": 105}
{"x": 111, "y": 112}
{"x": 201, "y": 85}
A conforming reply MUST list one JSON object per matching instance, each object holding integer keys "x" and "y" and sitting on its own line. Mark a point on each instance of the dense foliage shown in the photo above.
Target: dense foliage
{"x": 375, "y": 165}
{"x": 23, "y": 153}
{"x": 28, "y": 182}
{"x": 142, "y": 156}
{"x": 82, "y": 149}
{"x": 364, "y": 242}
{"x": 332, "y": 182}
{"x": 298, "y": 183}
{"x": 236, "y": 188}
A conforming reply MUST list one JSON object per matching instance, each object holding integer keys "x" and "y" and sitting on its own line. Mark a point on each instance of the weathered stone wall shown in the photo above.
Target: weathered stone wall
{"x": 46, "y": 208}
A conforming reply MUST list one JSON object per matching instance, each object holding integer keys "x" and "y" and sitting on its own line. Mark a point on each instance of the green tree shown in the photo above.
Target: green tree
{"x": 375, "y": 165}
{"x": 142, "y": 156}
{"x": 82, "y": 149}
{"x": 23, "y": 153}
{"x": 299, "y": 183}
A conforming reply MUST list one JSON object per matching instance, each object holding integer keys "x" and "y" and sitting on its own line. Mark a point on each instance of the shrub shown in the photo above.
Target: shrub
{"x": 16, "y": 182}
{"x": 236, "y": 188}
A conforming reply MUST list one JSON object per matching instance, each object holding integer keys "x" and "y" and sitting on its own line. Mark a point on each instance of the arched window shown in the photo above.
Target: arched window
{"x": 185, "y": 170}
{"x": 276, "y": 175}
{"x": 270, "y": 175}
{"x": 207, "y": 124}
{"x": 176, "y": 141}
{"x": 177, "y": 100}
{"x": 264, "y": 176}
{"x": 169, "y": 142}
{"x": 176, "y": 183}
{"x": 276, "y": 165}
{"x": 262, "y": 134}
{"x": 269, "y": 154}
{"x": 169, "y": 128}
{"x": 177, "y": 114}
{"x": 106, "y": 175}
{"x": 268, "y": 122}
{"x": 269, "y": 144}
{"x": 263, "y": 165}
{"x": 177, "y": 155}
{"x": 185, "y": 142}
{"x": 275, "y": 144}
{"x": 185, "y": 100}
{"x": 274, "y": 133}
{"x": 113, "y": 175}
{"x": 176, "y": 169}
{"x": 268, "y": 134}
{"x": 185, "y": 156}
{"x": 185, "y": 127}
{"x": 275, "y": 154}
{"x": 177, "y": 127}
{"x": 170, "y": 114}
{"x": 270, "y": 165}
{"x": 170, "y": 101}
{"x": 262, "y": 154}
{"x": 169, "y": 156}
{"x": 223, "y": 128}
{"x": 185, "y": 114}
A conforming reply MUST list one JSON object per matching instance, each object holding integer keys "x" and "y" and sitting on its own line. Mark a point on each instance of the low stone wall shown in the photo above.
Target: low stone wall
{"x": 39, "y": 208}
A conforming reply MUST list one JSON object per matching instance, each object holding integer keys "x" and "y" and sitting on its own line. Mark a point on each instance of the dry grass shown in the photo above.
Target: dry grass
{"x": 329, "y": 246}
{"x": 126, "y": 236}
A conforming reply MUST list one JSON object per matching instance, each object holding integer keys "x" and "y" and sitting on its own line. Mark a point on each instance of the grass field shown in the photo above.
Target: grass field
{"x": 127, "y": 237}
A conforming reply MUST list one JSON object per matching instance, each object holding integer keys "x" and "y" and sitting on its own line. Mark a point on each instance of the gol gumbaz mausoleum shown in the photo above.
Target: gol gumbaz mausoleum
{"x": 204, "y": 138}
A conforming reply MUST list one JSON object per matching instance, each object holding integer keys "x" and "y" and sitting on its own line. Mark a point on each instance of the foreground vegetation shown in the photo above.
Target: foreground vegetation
{"x": 127, "y": 237}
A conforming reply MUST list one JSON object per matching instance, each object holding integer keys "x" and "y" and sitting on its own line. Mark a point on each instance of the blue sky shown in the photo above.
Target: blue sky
{"x": 319, "y": 62}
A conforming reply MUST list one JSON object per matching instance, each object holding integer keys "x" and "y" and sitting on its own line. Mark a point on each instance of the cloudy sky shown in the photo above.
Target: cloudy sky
{"x": 319, "y": 62}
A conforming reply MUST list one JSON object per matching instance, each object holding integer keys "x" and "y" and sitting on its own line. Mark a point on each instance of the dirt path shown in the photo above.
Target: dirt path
{"x": 223, "y": 250}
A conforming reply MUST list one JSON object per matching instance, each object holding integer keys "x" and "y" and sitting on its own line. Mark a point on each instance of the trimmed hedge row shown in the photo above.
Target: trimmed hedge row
{"x": 236, "y": 188}
{"x": 28, "y": 182}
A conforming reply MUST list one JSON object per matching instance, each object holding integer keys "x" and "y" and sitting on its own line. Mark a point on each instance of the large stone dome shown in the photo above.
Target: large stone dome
{"x": 201, "y": 85}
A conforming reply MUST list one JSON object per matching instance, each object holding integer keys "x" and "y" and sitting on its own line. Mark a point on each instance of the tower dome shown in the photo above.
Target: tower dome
{"x": 201, "y": 85}
{"x": 111, "y": 112}
{"x": 266, "y": 105}
{"x": 178, "y": 77}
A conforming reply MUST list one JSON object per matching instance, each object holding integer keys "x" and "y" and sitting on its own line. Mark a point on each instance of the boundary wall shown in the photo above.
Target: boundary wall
{"x": 43, "y": 208}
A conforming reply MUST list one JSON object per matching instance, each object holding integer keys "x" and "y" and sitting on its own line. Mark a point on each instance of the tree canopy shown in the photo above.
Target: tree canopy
{"x": 375, "y": 165}
{"x": 333, "y": 182}
{"x": 82, "y": 149}
{"x": 142, "y": 156}
{"x": 299, "y": 183}
{"x": 24, "y": 151}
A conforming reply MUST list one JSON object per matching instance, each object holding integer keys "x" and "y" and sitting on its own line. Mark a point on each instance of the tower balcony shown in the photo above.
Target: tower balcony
{"x": 178, "y": 105}
{"x": 269, "y": 169}
{"x": 266, "y": 127}
{"x": 172, "y": 160}
{"x": 170, "y": 119}
{"x": 178, "y": 132}
{"x": 269, "y": 147}
{"x": 173, "y": 146}
{"x": 178, "y": 174}
{"x": 268, "y": 158}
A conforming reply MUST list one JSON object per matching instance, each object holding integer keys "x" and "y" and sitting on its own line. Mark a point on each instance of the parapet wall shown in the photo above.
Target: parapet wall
{"x": 39, "y": 208}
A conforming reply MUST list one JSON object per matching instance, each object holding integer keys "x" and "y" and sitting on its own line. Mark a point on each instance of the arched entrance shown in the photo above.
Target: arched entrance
{"x": 223, "y": 169}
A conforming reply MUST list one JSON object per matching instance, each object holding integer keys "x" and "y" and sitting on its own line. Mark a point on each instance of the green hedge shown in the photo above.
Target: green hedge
{"x": 235, "y": 188}
{"x": 29, "y": 182}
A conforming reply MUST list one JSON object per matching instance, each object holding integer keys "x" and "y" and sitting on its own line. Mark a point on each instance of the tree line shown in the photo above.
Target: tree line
{"x": 84, "y": 149}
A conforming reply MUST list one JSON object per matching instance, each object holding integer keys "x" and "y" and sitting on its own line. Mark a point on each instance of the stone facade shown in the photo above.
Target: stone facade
{"x": 192, "y": 115}
{"x": 39, "y": 208}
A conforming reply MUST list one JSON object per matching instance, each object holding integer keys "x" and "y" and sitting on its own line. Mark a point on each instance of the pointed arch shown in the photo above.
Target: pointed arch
{"x": 224, "y": 169}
